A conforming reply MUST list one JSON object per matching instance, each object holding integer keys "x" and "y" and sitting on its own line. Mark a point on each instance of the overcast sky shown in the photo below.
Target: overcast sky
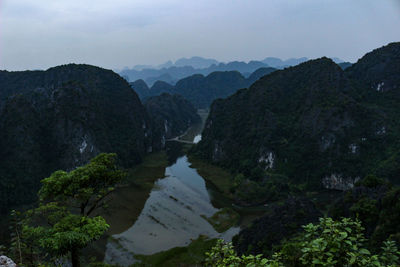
{"x": 38, "y": 34}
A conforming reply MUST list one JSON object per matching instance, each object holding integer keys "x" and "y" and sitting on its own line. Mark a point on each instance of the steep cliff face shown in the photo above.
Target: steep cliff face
{"x": 308, "y": 122}
{"x": 62, "y": 117}
{"x": 172, "y": 114}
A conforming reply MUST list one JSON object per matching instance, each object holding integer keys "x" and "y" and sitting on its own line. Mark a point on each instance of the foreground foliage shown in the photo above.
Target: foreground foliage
{"x": 329, "y": 243}
{"x": 62, "y": 224}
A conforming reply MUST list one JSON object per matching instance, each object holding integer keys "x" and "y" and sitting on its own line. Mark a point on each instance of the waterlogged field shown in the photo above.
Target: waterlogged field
{"x": 178, "y": 210}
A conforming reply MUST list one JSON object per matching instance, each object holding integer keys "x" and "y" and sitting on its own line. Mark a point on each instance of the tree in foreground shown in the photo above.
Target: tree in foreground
{"x": 330, "y": 243}
{"x": 63, "y": 224}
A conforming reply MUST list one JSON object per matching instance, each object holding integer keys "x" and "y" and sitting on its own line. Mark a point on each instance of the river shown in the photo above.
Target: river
{"x": 171, "y": 217}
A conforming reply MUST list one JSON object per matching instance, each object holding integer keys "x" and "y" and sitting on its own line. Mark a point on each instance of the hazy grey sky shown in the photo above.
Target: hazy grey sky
{"x": 37, "y": 34}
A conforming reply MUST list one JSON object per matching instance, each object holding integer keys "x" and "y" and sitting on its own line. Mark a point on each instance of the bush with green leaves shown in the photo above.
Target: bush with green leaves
{"x": 329, "y": 243}
{"x": 223, "y": 254}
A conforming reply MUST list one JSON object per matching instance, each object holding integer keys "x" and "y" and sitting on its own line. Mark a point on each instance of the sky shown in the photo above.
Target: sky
{"x": 38, "y": 34}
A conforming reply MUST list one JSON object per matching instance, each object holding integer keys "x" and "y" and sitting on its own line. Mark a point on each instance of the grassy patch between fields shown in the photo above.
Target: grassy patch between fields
{"x": 223, "y": 219}
{"x": 194, "y": 254}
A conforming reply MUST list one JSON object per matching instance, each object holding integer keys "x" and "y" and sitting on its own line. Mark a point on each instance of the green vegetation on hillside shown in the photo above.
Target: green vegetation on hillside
{"x": 172, "y": 114}
{"x": 377, "y": 204}
{"x": 312, "y": 126}
{"x": 62, "y": 117}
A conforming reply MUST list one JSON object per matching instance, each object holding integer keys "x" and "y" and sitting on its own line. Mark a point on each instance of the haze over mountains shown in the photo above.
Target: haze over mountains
{"x": 171, "y": 72}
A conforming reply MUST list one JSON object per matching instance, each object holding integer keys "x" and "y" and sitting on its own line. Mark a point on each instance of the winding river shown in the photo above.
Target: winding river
{"x": 171, "y": 217}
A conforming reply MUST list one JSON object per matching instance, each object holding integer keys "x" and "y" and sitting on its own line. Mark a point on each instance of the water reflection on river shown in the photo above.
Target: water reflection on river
{"x": 171, "y": 217}
{"x": 197, "y": 138}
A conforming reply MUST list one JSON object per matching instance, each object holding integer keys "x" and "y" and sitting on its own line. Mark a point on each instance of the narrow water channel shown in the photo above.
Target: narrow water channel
{"x": 171, "y": 217}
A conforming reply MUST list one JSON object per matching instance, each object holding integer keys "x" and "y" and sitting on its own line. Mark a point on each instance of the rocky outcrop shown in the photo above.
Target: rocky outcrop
{"x": 338, "y": 182}
{"x": 6, "y": 262}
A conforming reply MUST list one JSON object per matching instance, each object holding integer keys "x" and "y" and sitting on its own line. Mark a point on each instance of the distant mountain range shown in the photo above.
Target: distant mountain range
{"x": 201, "y": 90}
{"x": 172, "y": 72}
{"x": 195, "y": 62}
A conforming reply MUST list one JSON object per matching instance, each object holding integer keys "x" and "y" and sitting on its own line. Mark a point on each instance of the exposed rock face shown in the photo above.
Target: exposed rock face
{"x": 62, "y": 117}
{"x": 267, "y": 159}
{"x": 6, "y": 262}
{"x": 338, "y": 182}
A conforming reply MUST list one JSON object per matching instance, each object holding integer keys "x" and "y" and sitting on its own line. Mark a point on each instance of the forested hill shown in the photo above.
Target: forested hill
{"x": 379, "y": 70}
{"x": 314, "y": 123}
{"x": 172, "y": 114}
{"x": 62, "y": 117}
{"x": 202, "y": 90}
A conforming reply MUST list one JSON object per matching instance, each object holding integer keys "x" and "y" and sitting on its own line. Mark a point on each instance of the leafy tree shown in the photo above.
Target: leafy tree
{"x": 86, "y": 187}
{"x": 62, "y": 224}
